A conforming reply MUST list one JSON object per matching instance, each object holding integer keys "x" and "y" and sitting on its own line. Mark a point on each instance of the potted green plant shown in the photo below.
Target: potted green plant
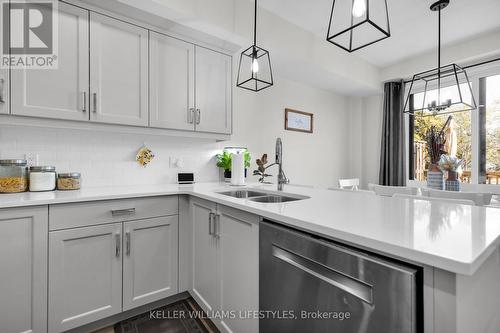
{"x": 224, "y": 162}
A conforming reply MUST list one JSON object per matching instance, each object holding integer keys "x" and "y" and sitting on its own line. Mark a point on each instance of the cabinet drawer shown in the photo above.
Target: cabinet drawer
{"x": 74, "y": 215}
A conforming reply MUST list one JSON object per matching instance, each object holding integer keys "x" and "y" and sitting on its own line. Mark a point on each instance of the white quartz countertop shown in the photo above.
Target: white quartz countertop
{"x": 456, "y": 238}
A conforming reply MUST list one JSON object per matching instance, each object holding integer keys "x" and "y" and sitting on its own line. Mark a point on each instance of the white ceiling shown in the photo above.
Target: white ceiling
{"x": 413, "y": 25}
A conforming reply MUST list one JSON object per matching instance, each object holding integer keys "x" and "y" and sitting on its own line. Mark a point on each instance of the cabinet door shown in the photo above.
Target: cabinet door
{"x": 213, "y": 91}
{"x": 4, "y": 72}
{"x": 63, "y": 92}
{"x": 150, "y": 262}
{"x": 85, "y": 275}
{"x": 118, "y": 72}
{"x": 23, "y": 272}
{"x": 206, "y": 283}
{"x": 239, "y": 255}
{"x": 171, "y": 77}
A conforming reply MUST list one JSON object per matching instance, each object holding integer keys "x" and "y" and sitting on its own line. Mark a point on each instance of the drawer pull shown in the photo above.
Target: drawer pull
{"x": 122, "y": 212}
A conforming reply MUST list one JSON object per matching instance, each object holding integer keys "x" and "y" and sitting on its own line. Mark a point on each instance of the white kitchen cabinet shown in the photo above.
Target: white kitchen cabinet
{"x": 4, "y": 76}
{"x": 60, "y": 93}
{"x": 213, "y": 91}
{"x": 225, "y": 259}
{"x": 205, "y": 274}
{"x": 85, "y": 275}
{"x": 23, "y": 270}
{"x": 239, "y": 268}
{"x": 150, "y": 261}
{"x": 171, "y": 77}
{"x": 118, "y": 72}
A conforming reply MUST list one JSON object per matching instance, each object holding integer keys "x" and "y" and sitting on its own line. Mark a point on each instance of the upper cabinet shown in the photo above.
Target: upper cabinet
{"x": 213, "y": 91}
{"x": 118, "y": 72}
{"x": 63, "y": 92}
{"x": 171, "y": 76}
{"x": 114, "y": 72}
{"x": 4, "y": 81}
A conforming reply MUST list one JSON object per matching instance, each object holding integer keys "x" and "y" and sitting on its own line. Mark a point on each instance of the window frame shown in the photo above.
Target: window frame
{"x": 477, "y": 77}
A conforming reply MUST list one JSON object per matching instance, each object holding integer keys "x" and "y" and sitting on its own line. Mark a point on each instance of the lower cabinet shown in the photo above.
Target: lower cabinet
{"x": 102, "y": 270}
{"x": 226, "y": 265}
{"x": 85, "y": 275}
{"x": 23, "y": 269}
{"x": 150, "y": 262}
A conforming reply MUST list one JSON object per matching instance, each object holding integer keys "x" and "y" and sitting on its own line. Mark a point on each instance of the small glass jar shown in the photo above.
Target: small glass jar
{"x": 13, "y": 176}
{"x": 42, "y": 178}
{"x": 69, "y": 181}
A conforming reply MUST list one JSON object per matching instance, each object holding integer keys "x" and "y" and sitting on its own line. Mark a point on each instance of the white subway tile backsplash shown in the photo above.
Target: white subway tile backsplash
{"x": 109, "y": 158}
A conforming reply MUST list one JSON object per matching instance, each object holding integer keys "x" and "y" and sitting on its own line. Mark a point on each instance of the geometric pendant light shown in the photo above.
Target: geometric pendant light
{"x": 355, "y": 24}
{"x": 254, "y": 72}
{"x": 446, "y": 89}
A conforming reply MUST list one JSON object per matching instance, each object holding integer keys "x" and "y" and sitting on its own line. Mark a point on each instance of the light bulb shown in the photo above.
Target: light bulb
{"x": 358, "y": 8}
{"x": 255, "y": 65}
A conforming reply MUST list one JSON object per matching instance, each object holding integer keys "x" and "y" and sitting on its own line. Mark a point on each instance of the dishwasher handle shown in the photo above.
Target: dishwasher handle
{"x": 337, "y": 279}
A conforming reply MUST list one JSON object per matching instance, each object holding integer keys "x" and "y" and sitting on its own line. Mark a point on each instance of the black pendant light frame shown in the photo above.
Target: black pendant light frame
{"x": 254, "y": 83}
{"x": 452, "y": 71}
{"x": 350, "y": 49}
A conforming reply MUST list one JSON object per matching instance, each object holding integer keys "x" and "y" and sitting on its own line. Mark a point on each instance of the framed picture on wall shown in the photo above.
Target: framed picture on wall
{"x": 298, "y": 121}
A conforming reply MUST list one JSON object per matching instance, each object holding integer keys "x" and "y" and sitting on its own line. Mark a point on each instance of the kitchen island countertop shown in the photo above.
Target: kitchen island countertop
{"x": 452, "y": 237}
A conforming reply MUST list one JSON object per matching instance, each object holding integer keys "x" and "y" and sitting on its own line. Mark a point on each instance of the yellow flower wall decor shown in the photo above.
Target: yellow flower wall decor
{"x": 144, "y": 156}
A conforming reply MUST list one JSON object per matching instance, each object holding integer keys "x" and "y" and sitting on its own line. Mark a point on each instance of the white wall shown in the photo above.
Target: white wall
{"x": 319, "y": 158}
{"x": 365, "y": 127}
{"x": 109, "y": 158}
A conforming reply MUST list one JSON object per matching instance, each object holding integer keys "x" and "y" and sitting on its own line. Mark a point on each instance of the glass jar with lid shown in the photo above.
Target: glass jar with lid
{"x": 13, "y": 176}
{"x": 42, "y": 178}
{"x": 69, "y": 181}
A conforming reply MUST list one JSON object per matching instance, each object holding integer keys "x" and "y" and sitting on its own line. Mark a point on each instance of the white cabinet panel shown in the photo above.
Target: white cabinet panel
{"x": 171, "y": 77}
{"x": 213, "y": 91}
{"x": 23, "y": 270}
{"x": 63, "y": 92}
{"x": 118, "y": 72}
{"x": 239, "y": 257}
{"x": 4, "y": 75}
{"x": 206, "y": 288}
{"x": 85, "y": 275}
{"x": 150, "y": 264}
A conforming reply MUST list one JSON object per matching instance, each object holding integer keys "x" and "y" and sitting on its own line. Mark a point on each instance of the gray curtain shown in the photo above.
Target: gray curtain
{"x": 392, "y": 153}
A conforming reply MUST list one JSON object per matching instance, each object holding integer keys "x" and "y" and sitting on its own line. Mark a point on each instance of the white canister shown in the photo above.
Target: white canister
{"x": 238, "y": 169}
{"x": 42, "y": 178}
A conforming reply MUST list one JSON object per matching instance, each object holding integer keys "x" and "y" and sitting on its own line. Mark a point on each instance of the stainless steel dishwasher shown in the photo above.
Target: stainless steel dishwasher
{"x": 311, "y": 285}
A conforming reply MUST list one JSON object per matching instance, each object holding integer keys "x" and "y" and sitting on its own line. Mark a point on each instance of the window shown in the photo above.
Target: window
{"x": 491, "y": 134}
{"x": 457, "y": 128}
{"x": 474, "y": 135}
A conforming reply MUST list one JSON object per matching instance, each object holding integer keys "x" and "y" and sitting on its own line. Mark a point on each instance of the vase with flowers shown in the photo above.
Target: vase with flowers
{"x": 450, "y": 165}
{"x": 435, "y": 146}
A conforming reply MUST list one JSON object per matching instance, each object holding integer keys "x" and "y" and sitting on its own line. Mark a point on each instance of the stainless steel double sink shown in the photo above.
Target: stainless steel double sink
{"x": 263, "y": 197}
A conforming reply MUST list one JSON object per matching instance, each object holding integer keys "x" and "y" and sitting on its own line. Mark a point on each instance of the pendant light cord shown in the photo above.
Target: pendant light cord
{"x": 255, "y": 24}
{"x": 439, "y": 58}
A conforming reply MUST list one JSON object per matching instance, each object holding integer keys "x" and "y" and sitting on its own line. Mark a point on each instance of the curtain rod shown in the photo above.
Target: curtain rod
{"x": 469, "y": 66}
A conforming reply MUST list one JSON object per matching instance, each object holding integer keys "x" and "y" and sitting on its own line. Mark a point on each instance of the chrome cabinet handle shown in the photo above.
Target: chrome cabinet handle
{"x": 2, "y": 90}
{"x": 210, "y": 223}
{"x": 84, "y": 101}
{"x": 127, "y": 243}
{"x": 198, "y": 116}
{"x": 122, "y": 212}
{"x": 217, "y": 225}
{"x": 190, "y": 115}
{"x": 94, "y": 102}
{"x": 117, "y": 245}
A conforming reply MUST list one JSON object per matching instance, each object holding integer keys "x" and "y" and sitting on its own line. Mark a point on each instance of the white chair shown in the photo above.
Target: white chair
{"x": 444, "y": 200}
{"x": 389, "y": 191}
{"x": 349, "y": 184}
{"x": 480, "y": 199}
